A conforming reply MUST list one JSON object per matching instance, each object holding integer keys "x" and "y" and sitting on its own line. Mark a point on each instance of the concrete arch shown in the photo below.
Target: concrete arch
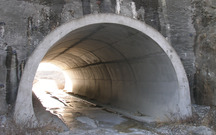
{"x": 115, "y": 60}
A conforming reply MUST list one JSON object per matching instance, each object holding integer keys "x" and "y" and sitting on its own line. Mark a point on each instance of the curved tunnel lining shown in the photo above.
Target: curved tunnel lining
{"x": 94, "y": 24}
{"x": 118, "y": 65}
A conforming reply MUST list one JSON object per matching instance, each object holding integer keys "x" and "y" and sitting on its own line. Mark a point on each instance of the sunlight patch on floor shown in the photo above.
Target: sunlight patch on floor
{"x": 42, "y": 89}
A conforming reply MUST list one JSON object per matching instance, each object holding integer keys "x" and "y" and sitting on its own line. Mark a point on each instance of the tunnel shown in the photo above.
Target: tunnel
{"x": 113, "y": 60}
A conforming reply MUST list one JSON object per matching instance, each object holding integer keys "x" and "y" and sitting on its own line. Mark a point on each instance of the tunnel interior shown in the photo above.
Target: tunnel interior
{"x": 118, "y": 66}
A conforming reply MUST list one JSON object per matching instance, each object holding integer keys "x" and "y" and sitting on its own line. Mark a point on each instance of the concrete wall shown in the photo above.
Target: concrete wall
{"x": 180, "y": 31}
{"x": 117, "y": 61}
{"x": 205, "y": 48}
{"x": 24, "y": 23}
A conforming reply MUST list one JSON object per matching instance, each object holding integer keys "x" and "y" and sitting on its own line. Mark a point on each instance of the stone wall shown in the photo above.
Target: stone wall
{"x": 181, "y": 32}
{"x": 205, "y": 51}
{"x": 24, "y": 23}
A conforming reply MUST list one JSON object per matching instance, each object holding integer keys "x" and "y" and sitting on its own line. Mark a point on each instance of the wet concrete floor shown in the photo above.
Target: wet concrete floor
{"x": 85, "y": 118}
{"x": 82, "y": 116}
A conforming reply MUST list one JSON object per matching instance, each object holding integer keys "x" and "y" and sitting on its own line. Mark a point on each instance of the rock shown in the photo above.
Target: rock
{"x": 141, "y": 132}
{"x": 3, "y": 120}
{"x": 203, "y": 130}
{"x": 87, "y": 121}
{"x": 65, "y": 133}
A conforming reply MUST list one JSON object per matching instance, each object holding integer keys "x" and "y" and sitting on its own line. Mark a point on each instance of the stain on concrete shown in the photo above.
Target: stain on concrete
{"x": 29, "y": 29}
{"x": 86, "y": 7}
{"x": 12, "y": 78}
{"x": 151, "y": 15}
{"x": 2, "y": 29}
{"x": 106, "y": 6}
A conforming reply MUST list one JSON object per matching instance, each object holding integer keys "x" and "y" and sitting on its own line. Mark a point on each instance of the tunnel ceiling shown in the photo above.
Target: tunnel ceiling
{"x": 106, "y": 44}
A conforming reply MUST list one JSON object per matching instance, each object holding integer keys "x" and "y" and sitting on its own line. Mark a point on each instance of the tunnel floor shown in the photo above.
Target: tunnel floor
{"x": 86, "y": 118}
{"x": 82, "y": 116}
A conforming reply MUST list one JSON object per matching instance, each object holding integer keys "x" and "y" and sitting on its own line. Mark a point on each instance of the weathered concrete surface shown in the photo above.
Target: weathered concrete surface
{"x": 24, "y": 24}
{"x": 115, "y": 60}
{"x": 205, "y": 49}
{"x": 3, "y": 75}
{"x": 12, "y": 81}
{"x": 177, "y": 27}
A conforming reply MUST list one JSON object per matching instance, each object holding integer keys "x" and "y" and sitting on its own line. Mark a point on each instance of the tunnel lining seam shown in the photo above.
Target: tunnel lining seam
{"x": 117, "y": 61}
{"x": 83, "y": 39}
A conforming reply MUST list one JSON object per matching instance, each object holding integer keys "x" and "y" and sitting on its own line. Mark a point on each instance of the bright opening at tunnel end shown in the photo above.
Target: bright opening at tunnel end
{"x": 50, "y": 77}
{"x": 50, "y": 80}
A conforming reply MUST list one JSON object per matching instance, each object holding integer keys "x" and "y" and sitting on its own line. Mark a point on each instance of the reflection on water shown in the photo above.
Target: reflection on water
{"x": 43, "y": 90}
{"x": 75, "y": 112}
{"x": 80, "y": 115}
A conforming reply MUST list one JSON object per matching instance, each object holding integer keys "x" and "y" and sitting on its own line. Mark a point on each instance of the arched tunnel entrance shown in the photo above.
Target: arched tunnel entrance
{"x": 116, "y": 61}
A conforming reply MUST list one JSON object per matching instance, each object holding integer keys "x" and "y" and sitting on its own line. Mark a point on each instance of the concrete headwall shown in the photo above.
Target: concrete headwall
{"x": 25, "y": 23}
{"x": 117, "y": 61}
